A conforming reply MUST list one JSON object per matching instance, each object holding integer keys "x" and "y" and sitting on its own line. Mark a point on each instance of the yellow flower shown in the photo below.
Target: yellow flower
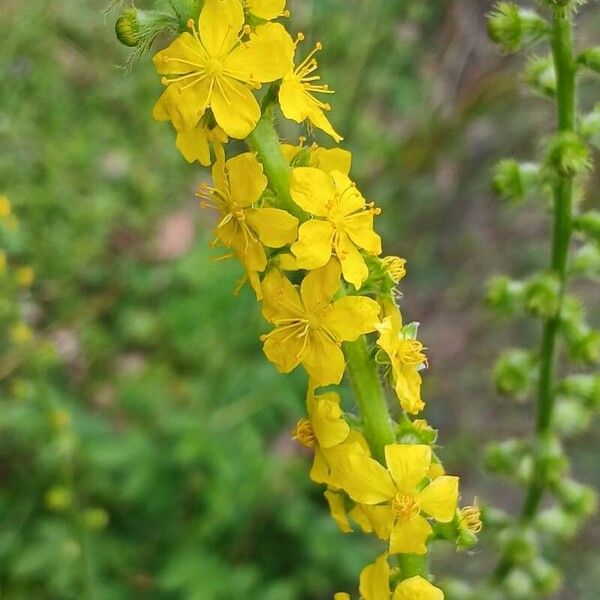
{"x": 296, "y": 95}
{"x": 395, "y": 267}
{"x": 194, "y": 143}
{"x": 345, "y": 223}
{"x": 406, "y": 357}
{"x": 239, "y": 184}
{"x": 375, "y": 585}
{"x": 397, "y": 487}
{"x": 325, "y": 159}
{"x": 5, "y": 207}
{"x": 25, "y": 276}
{"x": 212, "y": 67}
{"x": 310, "y": 325}
{"x": 20, "y": 334}
{"x": 266, "y": 9}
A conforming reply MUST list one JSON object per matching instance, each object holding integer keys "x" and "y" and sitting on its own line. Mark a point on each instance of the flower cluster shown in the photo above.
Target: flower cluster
{"x": 305, "y": 235}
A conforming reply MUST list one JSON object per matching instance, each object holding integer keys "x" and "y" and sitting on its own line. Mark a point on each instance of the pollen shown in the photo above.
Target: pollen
{"x": 304, "y": 433}
{"x": 405, "y": 507}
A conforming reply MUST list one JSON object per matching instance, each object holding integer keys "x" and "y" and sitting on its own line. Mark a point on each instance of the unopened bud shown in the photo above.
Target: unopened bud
{"x": 540, "y": 75}
{"x": 511, "y": 26}
{"x": 520, "y": 543}
{"x": 515, "y": 373}
{"x": 519, "y": 585}
{"x": 546, "y": 577}
{"x": 542, "y": 295}
{"x": 588, "y": 223}
{"x": 576, "y": 498}
{"x": 504, "y": 295}
{"x": 127, "y": 27}
{"x": 514, "y": 181}
{"x": 568, "y": 155}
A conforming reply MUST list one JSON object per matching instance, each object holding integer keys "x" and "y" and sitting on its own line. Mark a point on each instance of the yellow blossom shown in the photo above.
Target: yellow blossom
{"x": 25, "y": 276}
{"x": 470, "y": 518}
{"x": 21, "y": 334}
{"x": 194, "y": 143}
{"x": 212, "y": 67}
{"x": 325, "y": 159}
{"x": 310, "y": 325}
{"x": 398, "y": 488}
{"x": 296, "y": 95}
{"x": 375, "y": 585}
{"x": 395, "y": 267}
{"x": 266, "y": 9}
{"x": 239, "y": 184}
{"x": 344, "y": 223}
{"x": 406, "y": 358}
{"x": 5, "y": 208}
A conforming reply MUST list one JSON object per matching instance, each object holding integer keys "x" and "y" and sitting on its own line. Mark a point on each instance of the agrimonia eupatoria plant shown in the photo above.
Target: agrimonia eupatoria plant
{"x": 554, "y": 505}
{"x": 293, "y": 217}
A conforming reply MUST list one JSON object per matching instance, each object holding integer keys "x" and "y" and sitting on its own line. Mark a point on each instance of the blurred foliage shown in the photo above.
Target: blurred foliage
{"x": 144, "y": 440}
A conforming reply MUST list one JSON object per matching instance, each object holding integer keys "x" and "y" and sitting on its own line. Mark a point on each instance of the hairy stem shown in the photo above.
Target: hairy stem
{"x": 562, "y": 51}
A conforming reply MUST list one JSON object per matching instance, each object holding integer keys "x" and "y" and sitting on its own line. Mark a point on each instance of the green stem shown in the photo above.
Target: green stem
{"x": 369, "y": 396}
{"x": 565, "y": 66}
{"x": 413, "y": 564}
{"x": 265, "y": 142}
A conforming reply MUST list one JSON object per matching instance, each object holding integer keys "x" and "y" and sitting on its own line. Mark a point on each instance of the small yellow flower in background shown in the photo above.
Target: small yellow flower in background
{"x": 368, "y": 482}
{"x": 345, "y": 223}
{"x": 5, "y": 208}
{"x": 375, "y": 585}
{"x": 266, "y": 9}
{"x": 213, "y": 68}
{"x": 325, "y": 159}
{"x": 310, "y": 325}
{"x": 239, "y": 183}
{"x": 25, "y": 276}
{"x": 20, "y": 334}
{"x": 406, "y": 357}
{"x": 194, "y": 143}
{"x": 296, "y": 95}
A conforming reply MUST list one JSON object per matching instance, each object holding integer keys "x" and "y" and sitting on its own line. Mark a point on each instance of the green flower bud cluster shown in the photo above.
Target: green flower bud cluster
{"x": 564, "y": 407}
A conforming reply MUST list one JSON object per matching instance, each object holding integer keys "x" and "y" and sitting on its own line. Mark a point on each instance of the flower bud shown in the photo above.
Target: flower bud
{"x": 588, "y": 223}
{"x": 585, "y": 388}
{"x": 58, "y": 498}
{"x": 520, "y": 543}
{"x": 577, "y": 499}
{"x": 570, "y": 417}
{"x": 540, "y": 75}
{"x": 542, "y": 296}
{"x": 568, "y": 155}
{"x": 589, "y": 126}
{"x": 514, "y": 373}
{"x": 590, "y": 59}
{"x": 95, "y": 518}
{"x": 514, "y": 181}
{"x": 551, "y": 461}
{"x": 586, "y": 262}
{"x": 557, "y": 523}
{"x": 519, "y": 585}
{"x": 127, "y": 27}
{"x": 494, "y": 518}
{"x": 503, "y": 294}
{"x": 511, "y": 26}
{"x": 504, "y": 457}
{"x": 546, "y": 577}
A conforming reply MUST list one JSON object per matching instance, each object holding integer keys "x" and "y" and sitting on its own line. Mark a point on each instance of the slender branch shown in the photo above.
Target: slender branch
{"x": 562, "y": 50}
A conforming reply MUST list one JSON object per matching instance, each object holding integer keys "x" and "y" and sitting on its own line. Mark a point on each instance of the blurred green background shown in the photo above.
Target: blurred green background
{"x": 144, "y": 439}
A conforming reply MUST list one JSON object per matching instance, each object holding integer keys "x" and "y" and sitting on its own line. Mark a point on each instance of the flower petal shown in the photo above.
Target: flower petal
{"x": 318, "y": 118}
{"x": 363, "y": 478}
{"x": 314, "y": 246}
{"x": 439, "y": 498}
{"x": 275, "y": 227}
{"x": 360, "y": 230}
{"x": 283, "y": 349}
{"x": 327, "y": 421}
{"x": 295, "y": 104}
{"x": 312, "y": 190}
{"x": 351, "y": 317}
{"x": 323, "y": 360}
{"x": 417, "y": 588}
{"x": 319, "y": 472}
{"x": 266, "y": 57}
{"x": 354, "y": 268}
{"x": 247, "y": 181}
{"x": 408, "y": 464}
{"x": 409, "y": 537}
{"x": 348, "y": 198}
{"x": 182, "y": 56}
{"x": 319, "y": 287}
{"x": 337, "y": 507}
{"x": 375, "y": 580}
{"x": 183, "y": 107}
{"x": 193, "y": 144}
{"x": 235, "y": 107}
{"x": 267, "y": 9}
{"x": 331, "y": 159}
{"x": 281, "y": 298}
{"x": 380, "y": 518}
{"x": 220, "y": 24}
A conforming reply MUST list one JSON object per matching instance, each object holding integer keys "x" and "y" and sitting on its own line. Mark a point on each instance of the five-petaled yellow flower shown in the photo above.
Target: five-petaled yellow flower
{"x": 296, "y": 95}
{"x": 213, "y": 68}
{"x": 406, "y": 357}
{"x": 310, "y": 325}
{"x": 399, "y": 488}
{"x": 344, "y": 223}
{"x": 375, "y": 585}
{"x": 239, "y": 184}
